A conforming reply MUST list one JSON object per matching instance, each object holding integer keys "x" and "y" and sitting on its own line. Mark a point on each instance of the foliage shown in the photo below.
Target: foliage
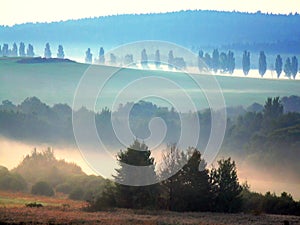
{"x": 262, "y": 63}
{"x": 42, "y": 188}
{"x": 47, "y": 51}
{"x": 137, "y": 154}
{"x": 278, "y": 65}
{"x": 226, "y": 188}
{"x": 11, "y": 181}
{"x": 76, "y": 194}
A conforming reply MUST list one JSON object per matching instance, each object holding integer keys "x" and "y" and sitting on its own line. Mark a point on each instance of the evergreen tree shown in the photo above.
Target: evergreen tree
{"x": 113, "y": 59}
{"x": 60, "y": 52}
{"x": 223, "y": 62}
{"x": 137, "y": 155}
{"x": 246, "y": 62}
{"x": 88, "y": 56}
{"x": 230, "y": 62}
{"x": 5, "y": 50}
{"x": 30, "y": 51}
{"x": 278, "y": 65}
{"x": 273, "y": 108}
{"x": 22, "y": 50}
{"x": 14, "y": 51}
{"x": 47, "y": 51}
{"x": 201, "y": 63}
{"x": 128, "y": 60}
{"x": 157, "y": 59}
{"x": 144, "y": 58}
{"x": 189, "y": 189}
{"x": 226, "y": 187}
{"x": 208, "y": 60}
{"x": 288, "y": 67}
{"x": 294, "y": 66}
{"x": 262, "y": 64}
{"x": 215, "y": 60}
{"x": 171, "y": 60}
{"x": 101, "y": 56}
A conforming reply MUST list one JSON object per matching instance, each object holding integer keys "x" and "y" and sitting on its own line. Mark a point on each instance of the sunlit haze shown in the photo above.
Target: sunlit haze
{"x": 17, "y": 11}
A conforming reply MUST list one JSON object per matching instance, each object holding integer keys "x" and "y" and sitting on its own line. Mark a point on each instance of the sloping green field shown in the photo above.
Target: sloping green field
{"x": 57, "y": 82}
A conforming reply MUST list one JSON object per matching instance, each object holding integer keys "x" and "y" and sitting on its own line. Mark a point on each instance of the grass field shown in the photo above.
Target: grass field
{"x": 64, "y": 211}
{"x": 57, "y": 82}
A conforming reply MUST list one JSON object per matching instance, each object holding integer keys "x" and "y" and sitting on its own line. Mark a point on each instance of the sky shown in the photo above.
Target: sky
{"x": 20, "y": 11}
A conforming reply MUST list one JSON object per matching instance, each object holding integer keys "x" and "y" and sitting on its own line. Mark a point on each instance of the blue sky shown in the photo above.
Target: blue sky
{"x": 20, "y": 11}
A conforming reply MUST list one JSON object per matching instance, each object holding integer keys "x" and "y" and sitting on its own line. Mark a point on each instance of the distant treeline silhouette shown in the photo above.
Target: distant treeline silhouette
{"x": 199, "y": 29}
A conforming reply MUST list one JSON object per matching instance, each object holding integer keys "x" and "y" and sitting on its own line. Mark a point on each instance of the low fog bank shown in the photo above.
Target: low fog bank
{"x": 260, "y": 179}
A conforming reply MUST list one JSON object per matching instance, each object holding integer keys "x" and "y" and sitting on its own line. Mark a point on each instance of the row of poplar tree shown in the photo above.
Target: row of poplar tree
{"x": 225, "y": 63}
{"x": 222, "y": 62}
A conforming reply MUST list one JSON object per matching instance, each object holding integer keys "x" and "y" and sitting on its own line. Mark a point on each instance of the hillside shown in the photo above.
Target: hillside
{"x": 238, "y": 31}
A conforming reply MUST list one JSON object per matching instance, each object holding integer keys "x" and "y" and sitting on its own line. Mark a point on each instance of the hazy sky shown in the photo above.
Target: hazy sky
{"x": 20, "y": 11}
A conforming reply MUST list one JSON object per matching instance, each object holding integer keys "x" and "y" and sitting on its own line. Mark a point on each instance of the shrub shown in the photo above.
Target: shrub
{"x": 64, "y": 188}
{"x": 76, "y": 194}
{"x": 12, "y": 182}
{"x": 42, "y": 188}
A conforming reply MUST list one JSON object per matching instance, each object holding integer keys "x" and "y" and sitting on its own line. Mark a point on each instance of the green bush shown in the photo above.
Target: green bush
{"x": 3, "y": 171}
{"x": 76, "y": 194}
{"x": 42, "y": 188}
{"x": 12, "y": 182}
{"x": 64, "y": 188}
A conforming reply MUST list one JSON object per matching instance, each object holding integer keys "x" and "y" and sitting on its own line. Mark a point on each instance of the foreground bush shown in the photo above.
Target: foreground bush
{"x": 42, "y": 188}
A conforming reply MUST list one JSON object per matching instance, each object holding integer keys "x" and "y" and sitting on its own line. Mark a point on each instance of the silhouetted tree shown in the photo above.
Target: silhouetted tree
{"x": 246, "y": 62}
{"x": 294, "y": 66}
{"x": 113, "y": 59}
{"x": 262, "y": 63}
{"x": 42, "y": 188}
{"x": 14, "y": 51}
{"x": 288, "y": 67}
{"x": 30, "y": 51}
{"x": 22, "y": 49}
{"x": 223, "y": 62}
{"x": 137, "y": 155}
{"x": 144, "y": 58}
{"x": 208, "y": 60}
{"x": 278, "y": 65}
{"x": 215, "y": 60}
{"x": 201, "y": 63}
{"x": 170, "y": 60}
{"x": 5, "y": 50}
{"x": 179, "y": 63}
{"x": 47, "y": 51}
{"x": 128, "y": 60}
{"x": 157, "y": 59}
{"x": 273, "y": 108}
{"x": 101, "y": 56}
{"x": 226, "y": 187}
{"x": 88, "y": 56}
{"x": 230, "y": 62}
{"x": 60, "y": 52}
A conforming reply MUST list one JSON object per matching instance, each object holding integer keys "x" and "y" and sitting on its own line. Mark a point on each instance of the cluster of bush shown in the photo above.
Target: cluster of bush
{"x": 40, "y": 173}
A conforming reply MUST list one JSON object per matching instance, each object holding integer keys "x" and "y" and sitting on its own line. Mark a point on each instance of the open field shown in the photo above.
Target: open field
{"x": 56, "y": 83}
{"x": 64, "y": 211}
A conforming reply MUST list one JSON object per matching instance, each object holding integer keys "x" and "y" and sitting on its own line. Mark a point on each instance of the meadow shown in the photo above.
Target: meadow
{"x": 57, "y": 82}
{"x": 60, "y": 210}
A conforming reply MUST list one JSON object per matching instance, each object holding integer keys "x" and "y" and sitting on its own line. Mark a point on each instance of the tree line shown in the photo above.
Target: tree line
{"x": 217, "y": 62}
{"x": 192, "y": 188}
{"x": 225, "y": 63}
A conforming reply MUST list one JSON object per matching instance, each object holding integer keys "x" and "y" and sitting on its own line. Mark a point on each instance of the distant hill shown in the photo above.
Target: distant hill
{"x": 235, "y": 30}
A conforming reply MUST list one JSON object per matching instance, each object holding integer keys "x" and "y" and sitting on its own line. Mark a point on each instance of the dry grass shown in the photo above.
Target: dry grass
{"x": 63, "y": 211}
